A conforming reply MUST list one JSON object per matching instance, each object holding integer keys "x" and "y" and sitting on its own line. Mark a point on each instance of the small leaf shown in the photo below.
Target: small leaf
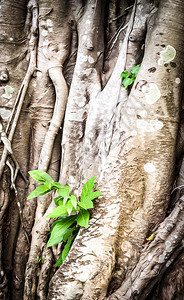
{"x": 64, "y": 191}
{"x": 125, "y": 74}
{"x": 58, "y": 200}
{"x": 41, "y": 176}
{"x": 59, "y": 230}
{"x": 73, "y": 201}
{"x": 58, "y": 185}
{"x": 85, "y": 205}
{"x": 59, "y": 211}
{"x": 83, "y": 218}
{"x": 39, "y": 191}
{"x": 65, "y": 200}
{"x": 135, "y": 70}
{"x": 42, "y": 260}
{"x": 65, "y": 252}
{"x": 68, "y": 233}
{"x": 58, "y": 221}
{"x": 87, "y": 189}
{"x": 38, "y": 260}
{"x": 67, "y": 248}
{"x": 127, "y": 81}
{"x": 59, "y": 262}
{"x": 91, "y": 196}
{"x": 69, "y": 207}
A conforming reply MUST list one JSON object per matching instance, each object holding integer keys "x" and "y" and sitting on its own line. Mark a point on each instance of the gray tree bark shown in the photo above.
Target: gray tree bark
{"x": 60, "y": 84}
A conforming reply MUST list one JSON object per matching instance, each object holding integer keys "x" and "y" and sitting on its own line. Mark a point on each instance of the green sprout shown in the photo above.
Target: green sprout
{"x": 40, "y": 260}
{"x": 129, "y": 77}
{"x": 71, "y": 213}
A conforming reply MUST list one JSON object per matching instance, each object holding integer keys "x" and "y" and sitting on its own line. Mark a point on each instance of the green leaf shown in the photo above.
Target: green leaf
{"x": 125, "y": 74}
{"x": 85, "y": 205}
{"x": 59, "y": 229}
{"x": 65, "y": 200}
{"x": 69, "y": 207}
{"x": 42, "y": 177}
{"x": 83, "y": 218}
{"x": 39, "y": 191}
{"x": 59, "y": 211}
{"x": 58, "y": 185}
{"x": 91, "y": 196}
{"x": 58, "y": 200}
{"x": 67, "y": 248}
{"x": 87, "y": 189}
{"x": 64, "y": 191}
{"x": 57, "y": 221}
{"x": 59, "y": 262}
{"x": 68, "y": 233}
{"x": 127, "y": 81}
{"x": 73, "y": 201}
{"x": 65, "y": 252}
{"x": 38, "y": 260}
{"x": 135, "y": 70}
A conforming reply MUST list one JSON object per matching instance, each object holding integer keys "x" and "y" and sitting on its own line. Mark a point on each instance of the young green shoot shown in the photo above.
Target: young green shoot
{"x": 70, "y": 212}
{"x": 40, "y": 260}
{"x": 128, "y": 78}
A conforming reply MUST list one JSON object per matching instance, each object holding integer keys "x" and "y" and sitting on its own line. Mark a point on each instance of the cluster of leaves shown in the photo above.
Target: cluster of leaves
{"x": 71, "y": 212}
{"x": 129, "y": 77}
{"x": 40, "y": 260}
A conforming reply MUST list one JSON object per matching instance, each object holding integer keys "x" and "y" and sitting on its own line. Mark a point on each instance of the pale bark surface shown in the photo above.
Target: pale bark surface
{"x": 65, "y": 111}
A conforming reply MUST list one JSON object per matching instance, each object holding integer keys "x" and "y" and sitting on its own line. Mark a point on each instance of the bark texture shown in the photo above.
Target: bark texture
{"x": 65, "y": 110}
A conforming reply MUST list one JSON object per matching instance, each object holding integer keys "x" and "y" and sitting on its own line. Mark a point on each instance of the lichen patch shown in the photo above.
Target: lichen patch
{"x": 159, "y": 125}
{"x": 44, "y": 51}
{"x": 150, "y": 125}
{"x": 5, "y": 113}
{"x": 49, "y": 22}
{"x": 133, "y": 132}
{"x": 8, "y": 92}
{"x": 150, "y": 257}
{"x": 44, "y": 32}
{"x": 50, "y": 29}
{"x": 143, "y": 113}
{"x": 91, "y": 59}
{"x": 177, "y": 80}
{"x": 152, "y": 94}
{"x": 167, "y": 55}
{"x": 149, "y": 168}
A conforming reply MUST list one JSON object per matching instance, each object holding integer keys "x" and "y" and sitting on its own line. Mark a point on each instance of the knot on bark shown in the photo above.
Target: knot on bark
{"x": 4, "y": 75}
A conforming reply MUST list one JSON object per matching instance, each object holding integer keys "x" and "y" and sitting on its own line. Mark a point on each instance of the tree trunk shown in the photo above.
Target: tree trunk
{"x": 60, "y": 85}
